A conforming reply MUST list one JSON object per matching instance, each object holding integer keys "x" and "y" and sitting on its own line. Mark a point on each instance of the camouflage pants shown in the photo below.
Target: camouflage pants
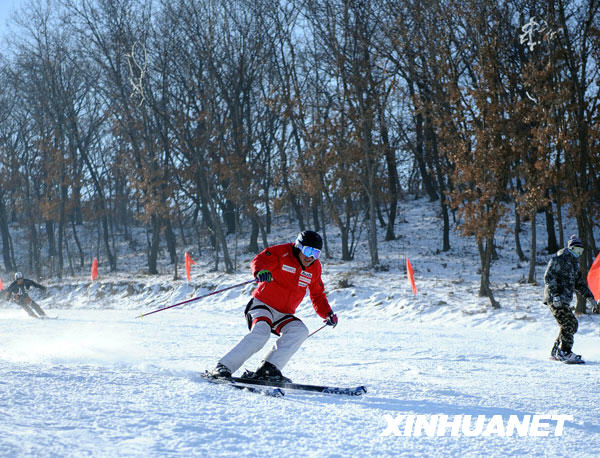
{"x": 568, "y": 326}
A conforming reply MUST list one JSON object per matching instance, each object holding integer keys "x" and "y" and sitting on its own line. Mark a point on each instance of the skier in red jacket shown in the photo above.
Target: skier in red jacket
{"x": 284, "y": 272}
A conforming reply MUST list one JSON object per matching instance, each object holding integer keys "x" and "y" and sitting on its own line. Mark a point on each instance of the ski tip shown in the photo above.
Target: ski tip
{"x": 362, "y": 389}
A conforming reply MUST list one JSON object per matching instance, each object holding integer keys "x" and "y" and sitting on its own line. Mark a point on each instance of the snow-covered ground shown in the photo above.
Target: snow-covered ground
{"x": 99, "y": 381}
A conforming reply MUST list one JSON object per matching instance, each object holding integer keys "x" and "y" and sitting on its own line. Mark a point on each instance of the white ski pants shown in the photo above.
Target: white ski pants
{"x": 263, "y": 320}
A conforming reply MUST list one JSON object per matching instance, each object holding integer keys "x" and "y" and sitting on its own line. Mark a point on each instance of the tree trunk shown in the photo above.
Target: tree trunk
{"x": 51, "y": 245}
{"x": 170, "y": 237}
{"x": 581, "y": 229}
{"x": 228, "y": 211}
{"x": 61, "y": 229}
{"x": 380, "y": 217}
{"x": 532, "y": 254}
{"x": 518, "y": 247}
{"x": 106, "y": 237}
{"x": 373, "y": 229}
{"x": 561, "y": 232}
{"x": 392, "y": 175}
{"x": 315, "y": 215}
{"x": 76, "y": 238}
{"x": 35, "y": 249}
{"x": 71, "y": 269}
{"x": 324, "y": 232}
{"x": 103, "y": 209}
{"x": 8, "y": 265}
{"x": 552, "y": 243}
{"x": 76, "y": 199}
{"x": 221, "y": 240}
{"x": 368, "y": 153}
{"x": 420, "y": 158}
{"x": 446, "y": 230}
{"x": 591, "y": 242}
{"x": 345, "y": 245}
{"x": 253, "y": 243}
{"x": 293, "y": 199}
{"x": 485, "y": 254}
{"x": 181, "y": 229}
{"x": 153, "y": 245}
{"x": 442, "y": 187}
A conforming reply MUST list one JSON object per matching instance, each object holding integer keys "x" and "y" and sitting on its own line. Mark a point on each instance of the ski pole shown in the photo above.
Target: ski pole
{"x": 197, "y": 298}
{"x": 314, "y": 332}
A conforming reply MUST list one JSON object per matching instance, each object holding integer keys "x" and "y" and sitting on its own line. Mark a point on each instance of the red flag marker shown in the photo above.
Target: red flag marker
{"x": 94, "y": 269}
{"x": 593, "y": 278}
{"x": 411, "y": 276}
{"x": 188, "y": 265}
{"x": 1, "y": 285}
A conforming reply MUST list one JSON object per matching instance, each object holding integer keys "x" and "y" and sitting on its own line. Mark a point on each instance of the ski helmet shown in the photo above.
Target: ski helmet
{"x": 574, "y": 242}
{"x": 310, "y": 238}
{"x": 18, "y": 275}
{"x": 575, "y": 245}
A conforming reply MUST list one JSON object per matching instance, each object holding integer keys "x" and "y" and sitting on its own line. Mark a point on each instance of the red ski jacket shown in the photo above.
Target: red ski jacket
{"x": 290, "y": 280}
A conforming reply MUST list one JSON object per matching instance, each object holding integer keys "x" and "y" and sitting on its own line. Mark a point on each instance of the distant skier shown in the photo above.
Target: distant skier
{"x": 284, "y": 272}
{"x": 561, "y": 278}
{"x": 17, "y": 291}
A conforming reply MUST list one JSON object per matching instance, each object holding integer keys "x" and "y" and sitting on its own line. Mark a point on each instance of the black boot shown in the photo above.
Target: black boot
{"x": 268, "y": 372}
{"x": 221, "y": 371}
{"x": 567, "y": 356}
{"x": 554, "y": 352}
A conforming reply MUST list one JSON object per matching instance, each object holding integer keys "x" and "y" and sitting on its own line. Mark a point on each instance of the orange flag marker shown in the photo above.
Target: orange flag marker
{"x": 593, "y": 278}
{"x": 411, "y": 276}
{"x": 188, "y": 265}
{"x": 94, "y": 269}
{"x": 1, "y": 285}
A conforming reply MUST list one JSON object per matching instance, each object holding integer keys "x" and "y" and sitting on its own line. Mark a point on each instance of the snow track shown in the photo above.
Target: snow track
{"x": 102, "y": 383}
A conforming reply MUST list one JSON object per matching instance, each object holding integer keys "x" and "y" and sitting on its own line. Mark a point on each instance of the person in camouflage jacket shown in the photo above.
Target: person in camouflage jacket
{"x": 562, "y": 277}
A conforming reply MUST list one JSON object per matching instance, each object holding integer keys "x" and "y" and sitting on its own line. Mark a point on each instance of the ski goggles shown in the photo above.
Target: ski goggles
{"x": 308, "y": 251}
{"x": 578, "y": 250}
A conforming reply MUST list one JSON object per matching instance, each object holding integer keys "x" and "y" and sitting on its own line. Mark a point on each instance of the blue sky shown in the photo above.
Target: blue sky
{"x": 6, "y": 8}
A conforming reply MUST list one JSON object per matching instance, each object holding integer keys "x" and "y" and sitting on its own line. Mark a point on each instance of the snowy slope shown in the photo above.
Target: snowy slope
{"x": 99, "y": 381}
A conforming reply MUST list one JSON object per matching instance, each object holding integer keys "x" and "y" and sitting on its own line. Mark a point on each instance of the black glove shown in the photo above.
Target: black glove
{"x": 264, "y": 275}
{"x": 332, "y": 320}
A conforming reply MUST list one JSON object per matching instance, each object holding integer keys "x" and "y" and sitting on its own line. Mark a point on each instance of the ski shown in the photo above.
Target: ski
{"x": 271, "y": 391}
{"x": 573, "y": 361}
{"x": 345, "y": 391}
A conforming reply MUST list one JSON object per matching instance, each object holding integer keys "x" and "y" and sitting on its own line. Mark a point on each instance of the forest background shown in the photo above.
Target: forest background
{"x": 201, "y": 120}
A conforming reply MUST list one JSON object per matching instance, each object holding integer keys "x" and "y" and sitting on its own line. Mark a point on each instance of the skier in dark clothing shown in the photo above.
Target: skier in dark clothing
{"x": 18, "y": 292}
{"x": 562, "y": 277}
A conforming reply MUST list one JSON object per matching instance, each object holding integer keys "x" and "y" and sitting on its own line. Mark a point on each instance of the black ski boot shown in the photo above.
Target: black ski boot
{"x": 568, "y": 357}
{"x": 554, "y": 352}
{"x": 267, "y": 372}
{"x": 220, "y": 371}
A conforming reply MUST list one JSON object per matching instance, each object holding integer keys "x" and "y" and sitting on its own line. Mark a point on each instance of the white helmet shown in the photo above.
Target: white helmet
{"x": 18, "y": 275}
